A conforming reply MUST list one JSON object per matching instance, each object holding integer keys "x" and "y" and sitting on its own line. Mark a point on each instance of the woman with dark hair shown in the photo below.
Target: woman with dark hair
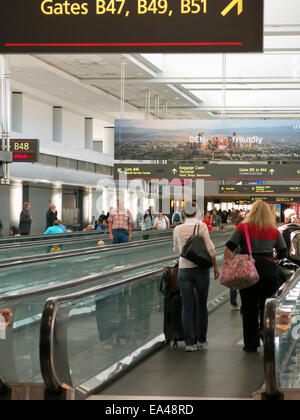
{"x": 193, "y": 278}
{"x": 148, "y": 220}
{"x": 13, "y": 231}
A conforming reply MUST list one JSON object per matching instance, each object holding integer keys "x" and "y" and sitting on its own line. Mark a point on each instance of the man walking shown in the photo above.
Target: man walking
{"x": 51, "y": 216}
{"x": 120, "y": 224}
{"x": 25, "y": 220}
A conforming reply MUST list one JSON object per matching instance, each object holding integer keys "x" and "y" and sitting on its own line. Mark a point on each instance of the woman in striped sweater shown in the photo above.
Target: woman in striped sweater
{"x": 265, "y": 237}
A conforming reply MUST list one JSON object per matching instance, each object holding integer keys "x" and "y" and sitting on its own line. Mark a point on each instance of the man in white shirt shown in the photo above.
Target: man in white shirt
{"x": 161, "y": 222}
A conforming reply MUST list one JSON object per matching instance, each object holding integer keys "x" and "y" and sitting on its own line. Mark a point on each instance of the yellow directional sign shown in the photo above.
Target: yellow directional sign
{"x": 239, "y": 4}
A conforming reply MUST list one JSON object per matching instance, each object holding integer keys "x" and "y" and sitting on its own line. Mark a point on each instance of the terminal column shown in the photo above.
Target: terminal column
{"x": 5, "y": 116}
{"x": 109, "y": 141}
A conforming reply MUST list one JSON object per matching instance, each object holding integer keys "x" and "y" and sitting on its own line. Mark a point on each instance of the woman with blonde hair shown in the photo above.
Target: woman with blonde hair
{"x": 265, "y": 237}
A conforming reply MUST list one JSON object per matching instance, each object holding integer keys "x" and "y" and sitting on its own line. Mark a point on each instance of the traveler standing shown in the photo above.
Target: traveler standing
{"x": 264, "y": 238}
{"x": 208, "y": 220}
{"x": 288, "y": 231}
{"x": 148, "y": 220}
{"x": 177, "y": 218}
{"x": 161, "y": 222}
{"x": 217, "y": 221}
{"x": 51, "y": 215}
{"x": 193, "y": 278}
{"x": 25, "y": 220}
{"x": 120, "y": 224}
{"x": 1, "y": 228}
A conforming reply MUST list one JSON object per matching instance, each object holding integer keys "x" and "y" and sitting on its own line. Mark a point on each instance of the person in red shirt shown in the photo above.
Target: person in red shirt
{"x": 208, "y": 220}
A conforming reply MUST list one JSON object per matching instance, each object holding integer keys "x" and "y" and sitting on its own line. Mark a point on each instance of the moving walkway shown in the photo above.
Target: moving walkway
{"x": 19, "y": 355}
{"x": 33, "y": 250}
{"x": 282, "y": 343}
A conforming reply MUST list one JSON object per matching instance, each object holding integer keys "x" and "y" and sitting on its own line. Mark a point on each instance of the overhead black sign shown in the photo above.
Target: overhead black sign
{"x": 131, "y": 25}
{"x": 277, "y": 200}
{"x": 209, "y": 172}
{"x": 24, "y": 150}
{"x": 259, "y": 189}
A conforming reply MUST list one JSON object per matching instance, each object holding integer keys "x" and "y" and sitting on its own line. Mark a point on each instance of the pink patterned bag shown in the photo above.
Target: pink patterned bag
{"x": 240, "y": 272}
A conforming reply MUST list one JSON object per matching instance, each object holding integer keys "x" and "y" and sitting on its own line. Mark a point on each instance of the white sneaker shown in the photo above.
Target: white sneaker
{"x": 190, "y": 349}
{"x": 202, "y": 346}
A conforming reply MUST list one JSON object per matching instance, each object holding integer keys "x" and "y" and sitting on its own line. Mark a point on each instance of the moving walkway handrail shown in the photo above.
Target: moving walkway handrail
{"x": 48, "y": 370}
{"x": 34, "y": 238}
{"x": 272, "y": 391}
{"x": 79, "y": 252}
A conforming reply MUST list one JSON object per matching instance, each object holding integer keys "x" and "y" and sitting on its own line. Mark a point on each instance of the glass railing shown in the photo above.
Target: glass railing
{"x": 34, "y": 238}
{"x": 24, "y": 277}
{"x": 22, "y": 251}
{"x": 89, "y": 338}
{"x": 282, "y": 342}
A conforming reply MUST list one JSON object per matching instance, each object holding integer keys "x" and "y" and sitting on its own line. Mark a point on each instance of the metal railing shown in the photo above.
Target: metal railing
{"x": 272, "y": 391}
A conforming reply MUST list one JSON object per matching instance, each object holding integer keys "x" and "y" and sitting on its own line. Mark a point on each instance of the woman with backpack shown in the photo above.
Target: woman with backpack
{"x": 194, "y": 279}
{"x": 264, "y": 238}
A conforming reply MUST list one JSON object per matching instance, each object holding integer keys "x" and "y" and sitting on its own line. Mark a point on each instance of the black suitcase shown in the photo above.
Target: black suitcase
{"x": 173, "y": 329}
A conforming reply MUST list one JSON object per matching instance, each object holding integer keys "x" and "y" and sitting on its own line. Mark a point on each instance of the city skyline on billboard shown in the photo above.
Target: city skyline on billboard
{"x": 214, "y": 140}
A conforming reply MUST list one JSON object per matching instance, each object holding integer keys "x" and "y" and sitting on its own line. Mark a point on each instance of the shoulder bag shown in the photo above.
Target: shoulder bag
{"x": 195, "y": 250}
{"x": 240, "y": 272}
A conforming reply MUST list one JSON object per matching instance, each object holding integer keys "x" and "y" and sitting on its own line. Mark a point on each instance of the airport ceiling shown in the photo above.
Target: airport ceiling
{"x": 190, "y": 86}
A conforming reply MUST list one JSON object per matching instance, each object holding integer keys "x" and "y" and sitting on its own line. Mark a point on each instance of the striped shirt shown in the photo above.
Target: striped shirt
{"x": 263, "y": 241}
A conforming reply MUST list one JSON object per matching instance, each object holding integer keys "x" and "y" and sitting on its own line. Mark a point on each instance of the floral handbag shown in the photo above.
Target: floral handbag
{"x": 240, "y": 272}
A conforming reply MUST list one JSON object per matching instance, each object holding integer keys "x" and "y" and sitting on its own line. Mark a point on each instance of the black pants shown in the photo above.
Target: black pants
{"x": 254, "y": 299}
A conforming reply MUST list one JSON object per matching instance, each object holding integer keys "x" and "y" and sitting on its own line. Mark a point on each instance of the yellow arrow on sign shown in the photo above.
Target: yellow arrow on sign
{"x": 239, "y": 3}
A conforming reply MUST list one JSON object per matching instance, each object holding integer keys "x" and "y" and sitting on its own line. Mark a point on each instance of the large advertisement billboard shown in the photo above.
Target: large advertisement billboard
{"x": 213, "y": 140}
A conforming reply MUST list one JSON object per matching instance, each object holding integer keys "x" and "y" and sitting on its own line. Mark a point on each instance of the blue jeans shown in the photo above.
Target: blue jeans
{"x": 121, "y": 236}
{"x": 194, "y": 287}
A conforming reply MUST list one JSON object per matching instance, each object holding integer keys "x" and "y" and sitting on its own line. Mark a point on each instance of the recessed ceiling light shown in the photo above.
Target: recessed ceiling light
{"x": 61, "y": 88}
{"x": 83, "y": 97}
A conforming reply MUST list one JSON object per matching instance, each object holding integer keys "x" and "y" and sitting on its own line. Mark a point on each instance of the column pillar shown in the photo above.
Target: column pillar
{"x": 87, "y": 206}
{"x": 88, "y": 133}
{"x": 109, "y": 141}
{"x": 16, "y": 202}
{"x": 5, "y": 116}
{"x": 56, "y": 198}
